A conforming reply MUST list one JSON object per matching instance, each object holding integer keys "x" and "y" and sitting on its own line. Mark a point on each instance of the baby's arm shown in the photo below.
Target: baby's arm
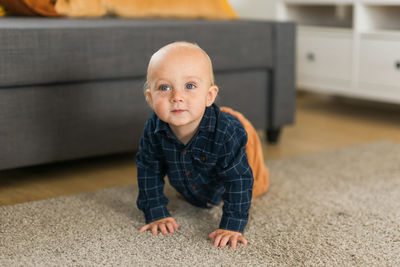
{"x": 164, "y": 225}
{"x": 235, "y": 172}
{"x": 150, "y": 173}
{"x": 221, "y": 237}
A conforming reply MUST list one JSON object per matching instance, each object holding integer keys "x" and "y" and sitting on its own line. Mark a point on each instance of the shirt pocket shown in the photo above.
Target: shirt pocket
{"x": 205, "y": 163}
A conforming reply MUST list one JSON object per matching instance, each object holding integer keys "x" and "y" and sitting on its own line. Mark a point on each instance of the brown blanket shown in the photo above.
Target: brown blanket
{"x": 30, "y": 7}
{"x": 207, "y": 9}
{"x": 254, "y": 154}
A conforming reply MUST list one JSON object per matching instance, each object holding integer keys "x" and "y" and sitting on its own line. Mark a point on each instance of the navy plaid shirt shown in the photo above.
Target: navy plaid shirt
{"x": 212, "y": 167}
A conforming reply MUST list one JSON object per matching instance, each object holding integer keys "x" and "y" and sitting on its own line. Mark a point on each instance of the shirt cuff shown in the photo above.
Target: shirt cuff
{"x": 233, "y": 224}
{"x": 156, "y": 213}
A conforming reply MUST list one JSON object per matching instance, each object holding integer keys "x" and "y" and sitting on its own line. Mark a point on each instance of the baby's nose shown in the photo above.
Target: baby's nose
{"x": 176, "y": 95}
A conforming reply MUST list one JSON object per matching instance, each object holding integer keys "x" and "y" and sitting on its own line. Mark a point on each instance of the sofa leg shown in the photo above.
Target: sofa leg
{"x": 273, "y": 135}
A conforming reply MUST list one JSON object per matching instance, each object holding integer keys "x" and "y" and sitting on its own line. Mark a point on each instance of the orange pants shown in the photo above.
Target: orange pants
{"x": 254, "y": 154}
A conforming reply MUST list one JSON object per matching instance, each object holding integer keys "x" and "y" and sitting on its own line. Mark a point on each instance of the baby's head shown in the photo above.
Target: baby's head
{"x": 177, "y": 50}
{"x": 180, "y": 83}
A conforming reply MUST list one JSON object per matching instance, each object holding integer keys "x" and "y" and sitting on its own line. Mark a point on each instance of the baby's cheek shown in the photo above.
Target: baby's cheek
{"x": 157, "y": 101}
{"x": 161, "y": 109}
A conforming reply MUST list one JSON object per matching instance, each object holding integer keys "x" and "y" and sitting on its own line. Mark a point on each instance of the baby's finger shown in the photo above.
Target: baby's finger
{"x": 233, "y": 242}
{"x": 163, "y": 229}
{"x": 170, "y": 227}
{"x": 224, "y": 241}
{"x": 212, "y": 235}
{"x": 174, "y": 224}
{"x": 154, "y": 229}
{"x": 243, "y": 240}
{"x": 217, "y": 240}
{"x": 144, "y": 228}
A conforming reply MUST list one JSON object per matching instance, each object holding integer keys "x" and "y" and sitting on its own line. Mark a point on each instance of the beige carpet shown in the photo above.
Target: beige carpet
{"x": 337, "y": 208}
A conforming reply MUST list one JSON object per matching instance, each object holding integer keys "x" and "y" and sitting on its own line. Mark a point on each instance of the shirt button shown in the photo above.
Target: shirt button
{"x": 194, "y": 187}
{"x": 187, "y": 172}
{"x": 184, "y": 152}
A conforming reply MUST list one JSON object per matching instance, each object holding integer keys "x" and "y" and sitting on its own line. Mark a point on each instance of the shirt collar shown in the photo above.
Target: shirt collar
{"x": 207, "y": 123}
{"x": 161, "y": 126}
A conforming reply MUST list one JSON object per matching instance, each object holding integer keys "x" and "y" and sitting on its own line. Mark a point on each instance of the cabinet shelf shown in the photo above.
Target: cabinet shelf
{"x": 382, "y": 34}
{"x": 339, "y": 16}
{"x": 382, "y": 17}
{"x": 381, "y": 2}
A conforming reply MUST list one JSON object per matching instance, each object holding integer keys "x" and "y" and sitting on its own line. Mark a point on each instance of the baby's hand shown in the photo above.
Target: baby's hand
{"x": 164, "y": 225}
{"x": 221, "y": 237}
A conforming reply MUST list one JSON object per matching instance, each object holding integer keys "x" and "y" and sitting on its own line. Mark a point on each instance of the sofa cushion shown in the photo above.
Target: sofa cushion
{"x": 45, "y": 50}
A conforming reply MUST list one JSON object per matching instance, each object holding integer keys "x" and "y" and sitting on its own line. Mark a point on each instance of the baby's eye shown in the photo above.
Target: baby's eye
{"x": 164, "y": 87}
{"x": 190, "y": 86}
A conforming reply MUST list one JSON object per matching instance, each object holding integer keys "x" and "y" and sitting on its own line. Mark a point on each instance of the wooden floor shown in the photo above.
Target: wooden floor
{"x": 322, "y": 123}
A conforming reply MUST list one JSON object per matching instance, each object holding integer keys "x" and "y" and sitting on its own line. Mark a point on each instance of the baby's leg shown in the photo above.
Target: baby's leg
{"x": 254, "y": 154}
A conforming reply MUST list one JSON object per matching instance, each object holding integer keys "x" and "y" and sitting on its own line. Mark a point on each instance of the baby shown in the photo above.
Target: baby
{"x": 209, "y": 154}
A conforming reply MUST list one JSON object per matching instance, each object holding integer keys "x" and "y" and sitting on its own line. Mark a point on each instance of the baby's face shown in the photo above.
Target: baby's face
{"x": 180, "y": 85}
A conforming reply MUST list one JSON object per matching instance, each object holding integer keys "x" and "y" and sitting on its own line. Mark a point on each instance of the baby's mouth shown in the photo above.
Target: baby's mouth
{"x": 178, "y": 111}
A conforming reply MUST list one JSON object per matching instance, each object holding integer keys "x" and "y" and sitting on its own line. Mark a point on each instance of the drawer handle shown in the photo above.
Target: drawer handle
{"x": 397, "y": 64}
{"x": 310, "y": 56}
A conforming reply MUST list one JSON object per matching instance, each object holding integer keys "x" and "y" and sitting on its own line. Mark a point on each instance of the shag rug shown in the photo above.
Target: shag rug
{"x": 336, "y": 208}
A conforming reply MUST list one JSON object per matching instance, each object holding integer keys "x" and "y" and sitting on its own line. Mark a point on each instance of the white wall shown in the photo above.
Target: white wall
{"x": 254, "y": 9}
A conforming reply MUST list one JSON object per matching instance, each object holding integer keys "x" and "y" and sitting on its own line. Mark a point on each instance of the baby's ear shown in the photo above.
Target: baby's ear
{"x": 148, "y": 97}
{"x": 212, "y": 94}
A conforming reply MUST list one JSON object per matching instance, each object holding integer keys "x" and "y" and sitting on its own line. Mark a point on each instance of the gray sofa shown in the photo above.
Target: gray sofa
{"x": 72, "y": 88}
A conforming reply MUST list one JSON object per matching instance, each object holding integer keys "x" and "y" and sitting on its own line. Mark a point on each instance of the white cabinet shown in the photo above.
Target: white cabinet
{"x": 254, "y": 9}
{"x": 324, "y": 56}
{"x": 347, "y": 47}
{"x": 381, "y": 68}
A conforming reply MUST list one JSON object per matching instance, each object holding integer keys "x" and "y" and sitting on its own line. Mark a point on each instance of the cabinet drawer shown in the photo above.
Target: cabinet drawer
{"x": 324, "y": 55}
{"x": 380, "y": 62}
